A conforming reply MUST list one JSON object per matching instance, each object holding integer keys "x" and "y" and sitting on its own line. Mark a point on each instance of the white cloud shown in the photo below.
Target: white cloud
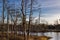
{"x": 50, "y": 18}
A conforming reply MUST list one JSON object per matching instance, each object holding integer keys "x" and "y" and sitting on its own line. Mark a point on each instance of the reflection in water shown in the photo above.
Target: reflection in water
{"x": 54, "y": 35}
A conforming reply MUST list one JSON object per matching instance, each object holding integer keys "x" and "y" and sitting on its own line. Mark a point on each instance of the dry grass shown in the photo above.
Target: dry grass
{"x": 13, "y": 36}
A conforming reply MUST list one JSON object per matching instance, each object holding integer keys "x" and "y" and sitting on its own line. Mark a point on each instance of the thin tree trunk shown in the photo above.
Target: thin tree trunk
{"x": 30, "y": 19}
{"x": 23, "y": 20}
{"x": 7, "y": 24}
{"x": 15, "y": 23}
{"x": 3, "y": 19}
{"x": 3, "y": 13}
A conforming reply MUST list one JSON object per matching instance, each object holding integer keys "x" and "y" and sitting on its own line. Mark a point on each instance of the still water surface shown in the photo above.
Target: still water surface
{"x": 54, "y": 35}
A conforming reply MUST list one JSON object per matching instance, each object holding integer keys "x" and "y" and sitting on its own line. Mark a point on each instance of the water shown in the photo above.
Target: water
{"x": 54, "y": 35}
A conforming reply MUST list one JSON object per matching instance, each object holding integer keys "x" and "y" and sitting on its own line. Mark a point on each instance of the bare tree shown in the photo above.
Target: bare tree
{"x": 30, "y": 17}
{"x": 23, "y": 19}
{"x": 3, "y": 16}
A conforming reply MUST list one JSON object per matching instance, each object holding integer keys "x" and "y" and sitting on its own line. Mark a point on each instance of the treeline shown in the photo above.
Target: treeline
{"x": 33, "y": 28}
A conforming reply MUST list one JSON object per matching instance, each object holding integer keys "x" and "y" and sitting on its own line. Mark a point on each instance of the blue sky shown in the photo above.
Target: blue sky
{"x": 50, "y": 9}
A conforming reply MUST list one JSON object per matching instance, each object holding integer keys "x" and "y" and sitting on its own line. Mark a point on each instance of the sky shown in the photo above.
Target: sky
{"x": 50, "y": 10}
